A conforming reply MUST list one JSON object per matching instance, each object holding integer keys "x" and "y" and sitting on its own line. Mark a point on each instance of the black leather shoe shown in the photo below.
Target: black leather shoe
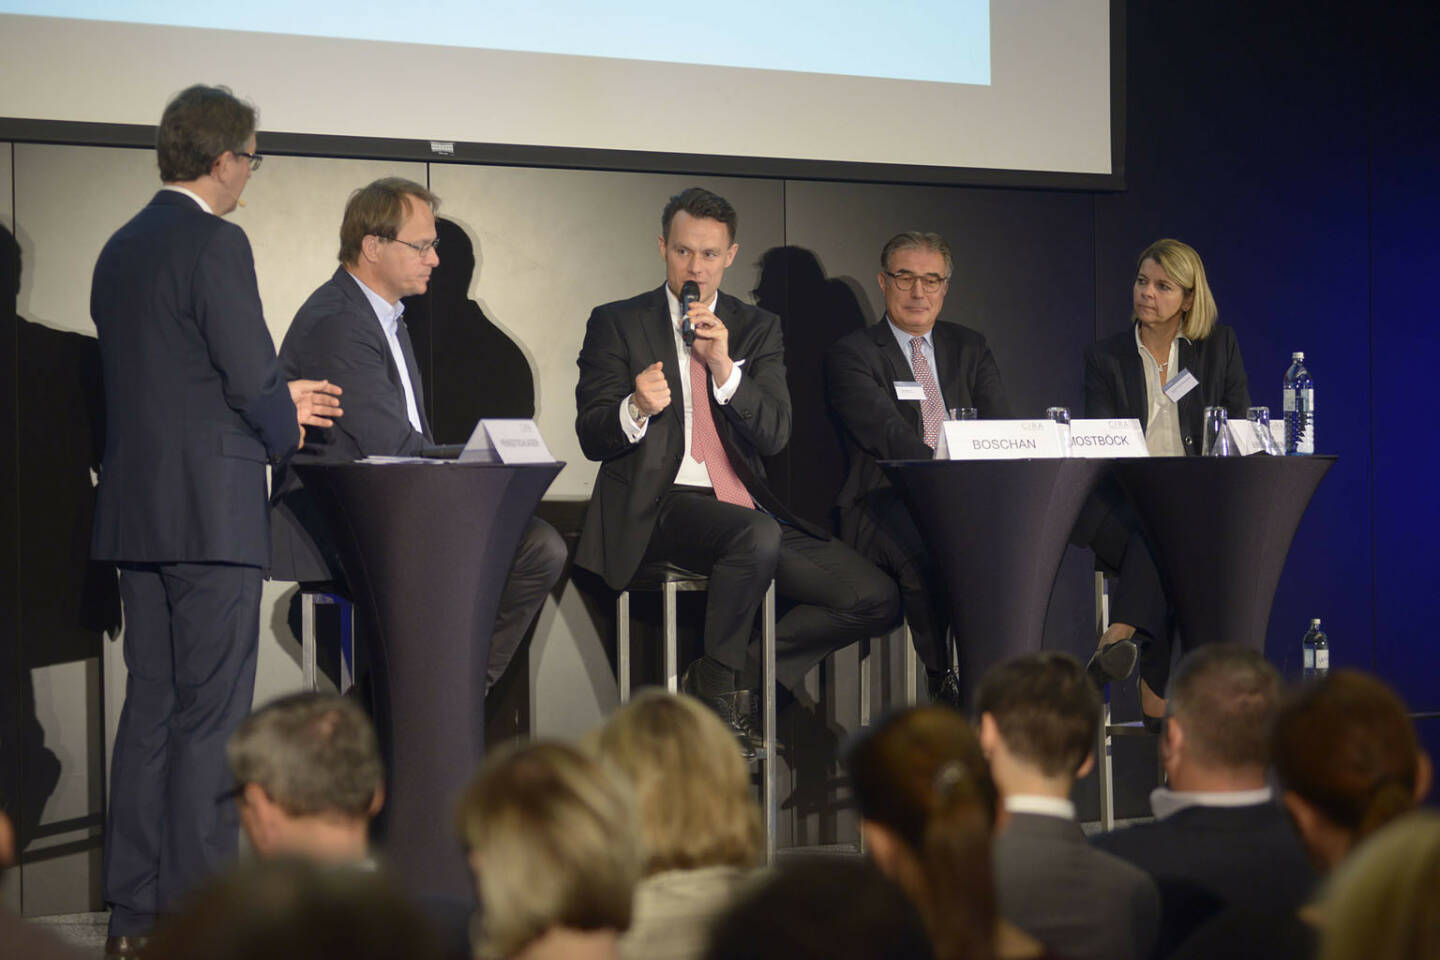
{"x": 124, "y": 948}
{"x": 944, "y": 687}
{"x": 737, "y": 709}
{"x": 1113, "y": 662}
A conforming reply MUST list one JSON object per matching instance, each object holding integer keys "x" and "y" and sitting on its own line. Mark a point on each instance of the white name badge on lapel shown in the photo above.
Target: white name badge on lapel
{"x": 1107, "y": 438}
{"x": 506, "y": 441}
{"x": 1003, "y": 439}
{"x": 909, "y": 390}
{"x": 1182, "y": 384}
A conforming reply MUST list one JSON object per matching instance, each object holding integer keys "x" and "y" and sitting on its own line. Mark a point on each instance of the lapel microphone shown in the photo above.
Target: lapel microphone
{"x": 689, "y": 293}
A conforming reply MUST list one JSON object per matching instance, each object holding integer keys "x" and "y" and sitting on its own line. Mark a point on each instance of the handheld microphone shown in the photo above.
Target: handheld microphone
{"x": 689, "y": 293}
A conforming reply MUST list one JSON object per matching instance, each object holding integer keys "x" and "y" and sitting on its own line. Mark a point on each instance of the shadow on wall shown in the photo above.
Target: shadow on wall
{"x": 470, "y": 367}
{"x": 815, "y": 311}
{"x": 66, "y": 602}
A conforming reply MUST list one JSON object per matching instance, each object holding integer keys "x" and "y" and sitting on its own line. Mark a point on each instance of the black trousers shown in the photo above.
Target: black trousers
{"x": 832, "y": 596}
{"x": 1109, "y": 526}
{"x": 191, "y": 635}
{"x": 539, "y": 561}
{"x": 881, "y": 529}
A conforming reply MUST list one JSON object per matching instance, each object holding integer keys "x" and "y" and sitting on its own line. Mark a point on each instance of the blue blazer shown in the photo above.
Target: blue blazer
{"x": 195, "y": 405}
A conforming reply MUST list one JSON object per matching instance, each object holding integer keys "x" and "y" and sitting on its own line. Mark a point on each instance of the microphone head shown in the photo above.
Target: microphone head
{"x": 689, "y": 293}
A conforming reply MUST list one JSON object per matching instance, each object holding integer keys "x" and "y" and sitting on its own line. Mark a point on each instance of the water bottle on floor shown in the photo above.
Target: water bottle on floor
{"x": 1299, "y": 394}
{"x": 1315, "y": 651}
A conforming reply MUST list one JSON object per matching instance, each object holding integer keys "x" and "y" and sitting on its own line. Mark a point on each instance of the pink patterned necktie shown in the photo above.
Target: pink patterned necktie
{"x": 932, "y": 408}
{"x": 705, "y": 442}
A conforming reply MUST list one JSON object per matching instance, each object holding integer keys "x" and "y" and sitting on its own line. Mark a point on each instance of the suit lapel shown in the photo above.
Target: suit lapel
{"x": 1192, "y": 405}
{"x": 897, "y": 368}
{"x": 1132, "y": 375}
{"x": 660, "y": 336}
{"x": 350, "y": 287}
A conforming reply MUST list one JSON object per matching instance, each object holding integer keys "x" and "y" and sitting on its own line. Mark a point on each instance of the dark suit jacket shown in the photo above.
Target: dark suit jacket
{"x": 336, "y": 336}
{"x": 861, "y": 370}
{"x": 1078, "y": 901}
{"x": 195, "y": 404}
{"x": 622, "y": 339}
{"x": 1115, "y": 381}
{"x": 1206, "y": 858}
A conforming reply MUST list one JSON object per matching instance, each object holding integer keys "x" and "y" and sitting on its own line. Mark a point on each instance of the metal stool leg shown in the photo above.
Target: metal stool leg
{"x": 672, "y": 675}
{"x": 307, "y": 640}
{"x": 767, "y": 680}
{"x": 1104, "y": 763}
{"x": 867, "y": 665}
{"x": 622, "y": 643}
{"x": 912, "y": 670}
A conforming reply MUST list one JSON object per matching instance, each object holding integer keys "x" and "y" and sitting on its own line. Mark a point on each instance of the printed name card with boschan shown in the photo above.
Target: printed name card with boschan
{"x": 1003, "y": 439}
{"x": 1107, "y": 438}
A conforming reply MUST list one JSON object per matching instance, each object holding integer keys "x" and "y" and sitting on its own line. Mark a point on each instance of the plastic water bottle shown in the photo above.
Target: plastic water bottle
{"x": 1315, "y": 652}
{"x": 1299, "y": 393}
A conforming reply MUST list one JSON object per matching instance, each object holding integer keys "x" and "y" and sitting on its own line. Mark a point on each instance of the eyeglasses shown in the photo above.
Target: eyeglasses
{"x": 930, "y": 283}
{"x": 420, "y": 248}
{"x": 254, "y": 158}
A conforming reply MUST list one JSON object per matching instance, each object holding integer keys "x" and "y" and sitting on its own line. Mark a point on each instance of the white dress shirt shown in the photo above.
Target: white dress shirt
{"x": 1164, "y": 802}
{"x": 389, "y": 316}
{"x": 1162, "y": 427}
{"x": 692, "y": 472}
{"x": 1040, "y": 805}
{"x": 927, "y": 351}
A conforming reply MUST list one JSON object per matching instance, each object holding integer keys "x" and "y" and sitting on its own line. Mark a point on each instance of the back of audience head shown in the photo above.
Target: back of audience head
{"x": 310, "y": 776}
{"x": 1383, "y": 903}
{"x": 822, "y": 909}
{"x": 552, "y": 839}
{"x": 1348, "y": 761}
{"x": 692, "y": 788}
{"x": 1223, "y": 700}
{"x": 927, "y": 807}
{"x": 1038, "y": 719}
{"x": 285, "y": 909}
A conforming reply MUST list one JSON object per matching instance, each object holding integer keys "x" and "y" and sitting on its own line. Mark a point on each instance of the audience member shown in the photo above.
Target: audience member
{"x": 552, "y": 840}
{"x": 310, "y": 779}
{"x": 1384, "y": 902}
{"x": 699, "y": 826}
{"x": 1348, "y": 762}
{"x": 822, "y": 909}
{"x": 1038, "y": 720}
{"x": 294, "y": 910}
{"x": 1219, "y": 837}
{"x": 927, "y": 808}
{"x": 20, "y": 940}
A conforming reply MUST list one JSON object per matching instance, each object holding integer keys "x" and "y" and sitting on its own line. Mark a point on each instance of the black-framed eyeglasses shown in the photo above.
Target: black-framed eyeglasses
{"x": 420, "y": 248}
{"x": 254, "y": 158}
{"x": 929, "y": 282}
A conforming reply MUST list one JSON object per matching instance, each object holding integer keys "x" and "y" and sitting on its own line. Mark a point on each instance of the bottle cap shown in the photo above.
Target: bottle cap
{"x": 1298, "y": 355}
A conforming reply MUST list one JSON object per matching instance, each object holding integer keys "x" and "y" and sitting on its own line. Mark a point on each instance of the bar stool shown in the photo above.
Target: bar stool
{"x": 326, "y": 593}
{"x": 1107, "y": 731}
{"x": 671, "y": 580}
{"x": 910, "y": 671}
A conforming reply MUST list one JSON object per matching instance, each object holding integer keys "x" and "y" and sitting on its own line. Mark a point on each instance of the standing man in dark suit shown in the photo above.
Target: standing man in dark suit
{"x": 195, "y": 408}
{"x": 1038, "y": 719}
{"x": 679, "y": 424}
{"x": 351, "y": 330}
{"x": 891, "y": 385}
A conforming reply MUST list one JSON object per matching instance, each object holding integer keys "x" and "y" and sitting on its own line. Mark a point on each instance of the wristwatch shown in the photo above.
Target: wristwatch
{"x": 635, "y": 413}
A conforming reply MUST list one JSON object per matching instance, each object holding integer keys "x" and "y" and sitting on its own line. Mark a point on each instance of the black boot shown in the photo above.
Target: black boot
{"x": 715, "y": 685}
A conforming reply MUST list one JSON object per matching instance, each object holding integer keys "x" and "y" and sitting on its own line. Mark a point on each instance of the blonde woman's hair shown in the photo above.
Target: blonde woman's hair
{"x": 552, "y": 839}
{"x": 1185, "y": 267}
{"x": 691, "y": 786}
{"x": 1383, "y": 903}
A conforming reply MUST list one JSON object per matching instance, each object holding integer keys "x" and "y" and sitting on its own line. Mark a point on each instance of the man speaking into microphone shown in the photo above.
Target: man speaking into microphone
{"x": 682, "y": 391}
{"x": 195, "y": 407}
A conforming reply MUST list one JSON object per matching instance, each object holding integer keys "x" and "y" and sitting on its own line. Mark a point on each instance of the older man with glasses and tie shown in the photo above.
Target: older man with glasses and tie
{"x": 890, "y": 386}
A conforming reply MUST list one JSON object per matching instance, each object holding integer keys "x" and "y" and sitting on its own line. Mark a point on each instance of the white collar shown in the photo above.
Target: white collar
{"x": 191, "y": 194}
{"x": 1164, "y": 802}
{"x": 1040, "y": 805}
{"x": 386, "y": 312}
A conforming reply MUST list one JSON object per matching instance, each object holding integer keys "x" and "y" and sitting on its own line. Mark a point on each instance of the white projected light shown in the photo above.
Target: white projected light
{"x": 1023, "y": 85}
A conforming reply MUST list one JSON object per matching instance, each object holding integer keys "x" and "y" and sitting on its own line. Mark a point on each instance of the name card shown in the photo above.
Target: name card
{"x": 1107, "y": 438}
{"x": 1003, "y": 439}
{"x": 506, "y": 441}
